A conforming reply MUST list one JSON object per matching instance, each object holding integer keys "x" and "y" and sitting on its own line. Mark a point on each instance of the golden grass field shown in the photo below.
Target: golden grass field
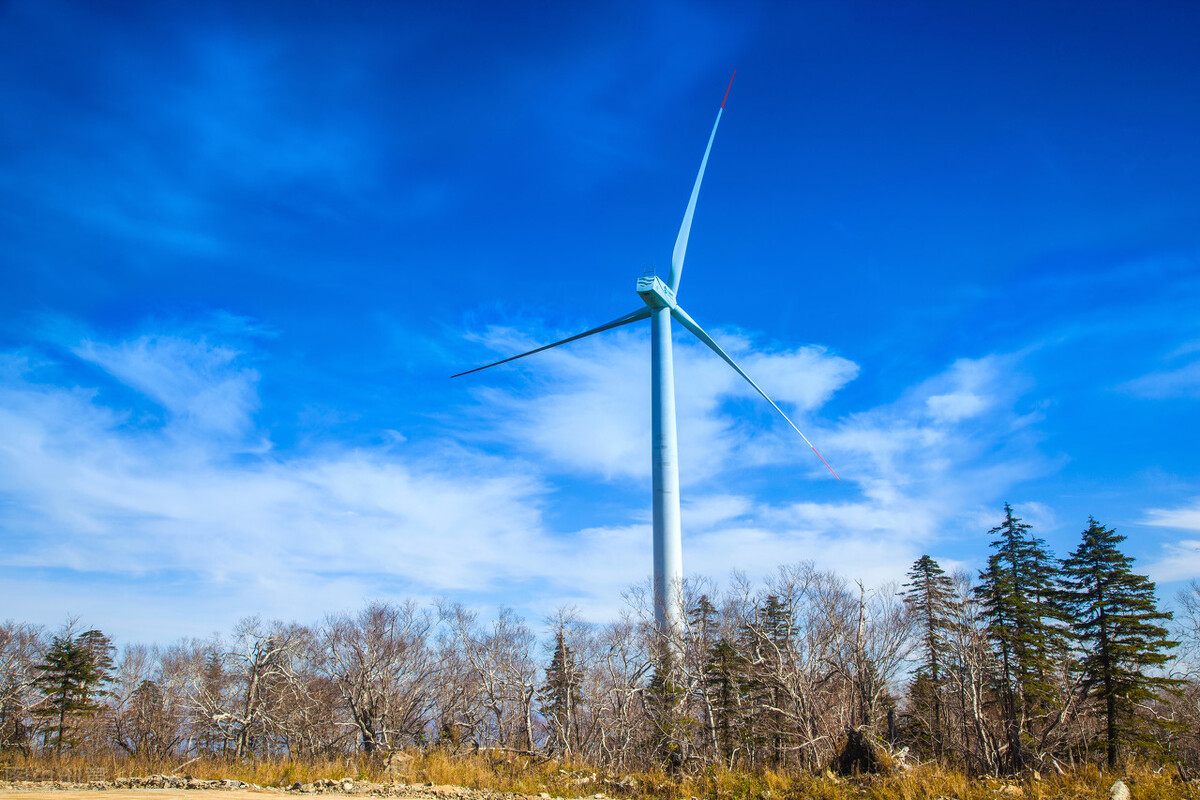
{"x": 435, "y": 774}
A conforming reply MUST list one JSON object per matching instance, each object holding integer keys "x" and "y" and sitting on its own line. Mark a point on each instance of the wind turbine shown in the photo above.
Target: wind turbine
{"x": 660, "y": 306}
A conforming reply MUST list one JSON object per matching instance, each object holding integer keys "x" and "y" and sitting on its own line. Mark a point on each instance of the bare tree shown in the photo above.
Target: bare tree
{"x": 206, "y": 688}
{"x": 1187, "y": 626}
{"x": 1184, "y": 707}
{"x": 500, "y": 662}
{"x": 22, "y": 647}
{"x": 618, "y": 666}
{"x": 462, "y": 720}
{"x": 262, "y": 663}
{"x": 882, "y": 642}
{"x": 976, "y": 732}
{"x": 237, "y": 688}
{"x": 312, "y": 719}
{"x": 382, "y": 665}
{"x": 796, "y": 639}
{"x": 146, "y": 716}
{"x": 701, "y": 632}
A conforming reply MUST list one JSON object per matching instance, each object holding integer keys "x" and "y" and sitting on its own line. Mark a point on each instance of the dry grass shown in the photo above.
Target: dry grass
{"x": 528, "y": 775}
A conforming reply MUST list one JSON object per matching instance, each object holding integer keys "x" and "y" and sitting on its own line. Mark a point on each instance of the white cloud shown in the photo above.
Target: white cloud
{"x": 86, "y": 492}
{"x": 198, "y": 384}
{"x": 1186, "y": 518}
{"x": 921, "y": 464}
{"x": 804, "y": 378}
{"x": 968, "y": 388}
{"x": 1180, "y": 561}
{"x": 587, "y": 405}
{"x": 954, "y": 407}
{"x": 759, "y": 551}
{"x": 706, "y": 512}
{"x": 187, "y": 503}
{"x": 942, "y": 426}
{"x": 1182, "y": 382}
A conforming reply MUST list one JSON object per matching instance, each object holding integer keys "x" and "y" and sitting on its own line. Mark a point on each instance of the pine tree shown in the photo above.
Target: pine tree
{"x": 561, "y": 692}
{"x": 1115, "y": 616}
{"x": 929, "y": 594}
{"x": 770, "y": 651}
{"x": 1017, "y": 593}
{"x": 702, "y": 630}
{"x": 702, "y": 624}
{"x": 73, "y": 675}
{"x": 726, "y": 679}
{"x": 663, "y": 702}
{"x": 778, "y": 622}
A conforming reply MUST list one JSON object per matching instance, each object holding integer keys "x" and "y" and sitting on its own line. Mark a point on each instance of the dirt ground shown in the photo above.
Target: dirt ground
{"x": 327, "y": 790}
{"x": 142, "y": 794}
{"x": 174, "y": 787}
{"x": 38, "y": 793}
{"x": 59, "y": 791}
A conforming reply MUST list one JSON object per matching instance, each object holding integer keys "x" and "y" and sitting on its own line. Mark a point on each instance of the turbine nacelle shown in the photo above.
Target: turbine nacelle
{"x": 655, "y": 293}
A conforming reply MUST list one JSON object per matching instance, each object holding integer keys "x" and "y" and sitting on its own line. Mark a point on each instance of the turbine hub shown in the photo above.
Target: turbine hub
{"x": 655, "y": 293}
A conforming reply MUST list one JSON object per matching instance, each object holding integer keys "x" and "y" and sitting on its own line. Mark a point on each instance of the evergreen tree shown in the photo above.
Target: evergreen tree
{"x": 702, "y": 631}
{"x": 702, "y": 624}
{"x": 769, "y": 648}
{"x": 777, "y": 622}
{"x": 1115, "y": 616}
{"x": 561, "y": 692}
{"x": 929, "y": 594}
{"x": 726, "y": 679}
{"x": 1017, "y": 593}
{"x": 663, "y": 702}
{"x": 921, "y": 726}
{"x": 73, "y": 675}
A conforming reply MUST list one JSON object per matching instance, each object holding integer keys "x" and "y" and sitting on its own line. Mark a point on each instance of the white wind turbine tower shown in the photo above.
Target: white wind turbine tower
{"x": 660, "y": 307}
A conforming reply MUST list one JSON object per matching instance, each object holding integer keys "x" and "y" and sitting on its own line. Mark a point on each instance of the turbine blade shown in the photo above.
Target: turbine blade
{"x": 681, "y": 241}
{"x": 689, "y": 323}
{"x": 640, "y": 314}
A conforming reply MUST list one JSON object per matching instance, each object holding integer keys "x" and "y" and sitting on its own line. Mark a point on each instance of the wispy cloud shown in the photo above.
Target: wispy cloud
{"x": 1181, "y": 382}
{"x": 185, "y": 497}
{"x": 921, "y": 464}
{"x": 1184, "y": 518}
{"x": 958, "y": 428}
{"x": 1179, "y": 559}
{"x": 586, "y": 405}
{"x": 92, "y": 494}
{"x": 200, "y": 385}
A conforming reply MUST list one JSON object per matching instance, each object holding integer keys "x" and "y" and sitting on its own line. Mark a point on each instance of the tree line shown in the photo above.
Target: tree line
{"x": 1035, "y": 662}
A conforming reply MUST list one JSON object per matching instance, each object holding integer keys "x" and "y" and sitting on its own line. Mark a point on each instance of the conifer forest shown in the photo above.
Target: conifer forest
{"x": 1035, "y": 662}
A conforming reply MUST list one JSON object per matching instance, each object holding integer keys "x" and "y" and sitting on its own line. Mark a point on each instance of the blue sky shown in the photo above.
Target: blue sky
{"x": 245, "y": 245}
